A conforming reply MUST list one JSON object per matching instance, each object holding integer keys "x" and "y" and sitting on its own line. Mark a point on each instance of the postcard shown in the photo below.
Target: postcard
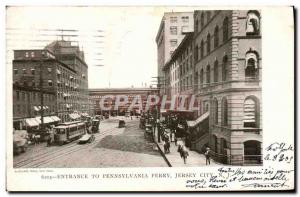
{"x": 150, "y": 98}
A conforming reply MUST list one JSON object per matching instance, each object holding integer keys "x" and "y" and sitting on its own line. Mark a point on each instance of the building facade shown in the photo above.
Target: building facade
{"x": 227, "y": 82}
{"x": 109, "y": 95}
{"x": 171, "y": 31}
{"x": 53, "y": 69}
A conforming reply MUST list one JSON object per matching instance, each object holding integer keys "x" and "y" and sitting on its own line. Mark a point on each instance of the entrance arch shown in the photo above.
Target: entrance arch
{"x": 252, "y": 152}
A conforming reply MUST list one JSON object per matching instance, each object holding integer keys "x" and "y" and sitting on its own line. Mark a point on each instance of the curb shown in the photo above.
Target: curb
{"x": 163, "y": 155}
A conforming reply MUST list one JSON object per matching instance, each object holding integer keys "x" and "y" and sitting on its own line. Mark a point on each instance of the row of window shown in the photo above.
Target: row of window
{"x": 184, "y": 19}
{"x": 251, "y": 112}
{"x": 251, "y": 69}
{"x": 252, "y": 22}
{"x": 174, "y": 31}
{"x": 199, "y": 50}
{"x": 34, "y": 96}
{"x": 28, "y": 110}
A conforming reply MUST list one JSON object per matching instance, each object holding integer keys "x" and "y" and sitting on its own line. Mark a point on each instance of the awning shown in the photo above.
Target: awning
{"x": 31, "y": 122}
{"x": 74, "y": 116}
{"x": 36, "y": 108}
{"x": 199, "y": 120}
{"x": 84, "y": 114}
{"x": 55, "y": 118}
{"x": 47, "y": 119}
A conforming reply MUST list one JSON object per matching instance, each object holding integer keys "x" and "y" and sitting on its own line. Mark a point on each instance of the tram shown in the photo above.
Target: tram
{"x": 69, "y": 131}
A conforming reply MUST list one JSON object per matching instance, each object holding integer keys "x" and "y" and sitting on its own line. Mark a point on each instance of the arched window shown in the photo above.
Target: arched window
{"x": 216, "y": 110}
{"x": 216, "y": 37}
{"x": 251, "y": 112}
{"x": 251, "y": 65}
{"x": 208, "y": 15}
{"x": 216, "y": 71}
{"x": 196, "y": 80}
{"x": 253, "y": 23}
{"x": 202, "y": 49}
{"x": 196, "y": 53}
{"x": 201, "y": 77}
{"x": 208, "y": 43}
{"x": 202, "y": 20}
{"x": 224, "y": 68}
{"x": 224, "y": 112}
{"x": 225, "y": 29}
{"x": 206, "y": 107}
{"x": 208, "y": 74}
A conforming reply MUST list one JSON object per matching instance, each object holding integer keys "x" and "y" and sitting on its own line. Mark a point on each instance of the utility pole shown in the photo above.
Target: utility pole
{"x": 41, "y": 91}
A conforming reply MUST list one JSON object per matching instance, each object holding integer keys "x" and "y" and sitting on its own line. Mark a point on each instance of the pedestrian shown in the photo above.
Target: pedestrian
{"x": 207, "y": 156}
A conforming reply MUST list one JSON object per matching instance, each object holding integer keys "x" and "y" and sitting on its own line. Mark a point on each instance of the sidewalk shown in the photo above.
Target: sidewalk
{"x": 194, "y": 159}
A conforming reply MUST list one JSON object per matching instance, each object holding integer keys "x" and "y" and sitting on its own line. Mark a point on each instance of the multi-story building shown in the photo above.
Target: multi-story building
{"x": 109, "y": 95}
{"x": 179, "y": 70}
{"x": 228, "y": 60}
{"x": 59, "y": 69}
{"x": 171, "y": 31}
{"x": 227, "y": 83}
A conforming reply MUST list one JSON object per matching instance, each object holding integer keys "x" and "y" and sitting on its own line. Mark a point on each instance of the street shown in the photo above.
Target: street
{"x": 113, "y": 147}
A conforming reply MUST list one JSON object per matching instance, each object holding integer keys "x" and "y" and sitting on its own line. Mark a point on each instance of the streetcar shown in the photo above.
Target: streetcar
{"x": 69, "y": 131}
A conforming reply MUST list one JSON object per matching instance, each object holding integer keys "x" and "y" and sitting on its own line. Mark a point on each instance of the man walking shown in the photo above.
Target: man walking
{"x": 207, "y": 156}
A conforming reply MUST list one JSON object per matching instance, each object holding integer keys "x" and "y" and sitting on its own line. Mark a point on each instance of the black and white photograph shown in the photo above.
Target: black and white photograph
{"x": 112, "y": 87}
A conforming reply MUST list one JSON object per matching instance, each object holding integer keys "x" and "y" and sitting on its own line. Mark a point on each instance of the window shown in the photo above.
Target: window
{"x": 225, "y": 29}
{"x": 251, "y": 112}
{"x": 251, "y": 67}
{"x": 208, "y": 15}
{"x": 201, "y": 77}
{"x": 50, "y": 82}
{"x": 224, "y": 69}
{"x": 216, "y": 111}
{"x": 49, "y": 70}
{"x": 18, "y": 95}
{"x": 184, "y": 29}
{"x": 32, "y": 54}
{"x": 196, "y": 53}
{"x": 173, "y": 42}
{"x": 15, "y": 71}
{"x": 33, "y": 71}
{"x": 216, "y": 71}
{"x": 206, "y": 107}
{"x": 216, "y": 37}
{"x": 185, "y": 19}
{"x": 224, "y": 112}
{"x": 202, "y": 49}
{"x": 196, "y": 80}
{"x": 208, "y": 44}
{"x": 27, "y": 54}
{"x": 253, "y": 23}
{"x": 202, "y": 20}
{"x": 24, "y": 71}
{"x": 173, "y": 30}
{"x": 208, "y": 74}
{"x": 173, "y": 19}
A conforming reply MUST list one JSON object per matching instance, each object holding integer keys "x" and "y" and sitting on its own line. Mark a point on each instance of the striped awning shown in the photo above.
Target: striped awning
{"x": 31, "y": 122}
{"x": 47, "y": 119}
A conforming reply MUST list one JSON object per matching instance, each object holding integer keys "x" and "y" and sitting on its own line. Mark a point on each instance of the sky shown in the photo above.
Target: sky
{"x": 127, "y": 49}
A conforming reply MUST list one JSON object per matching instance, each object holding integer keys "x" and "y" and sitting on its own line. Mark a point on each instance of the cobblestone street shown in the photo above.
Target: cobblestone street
{"x": 113, "y": 147}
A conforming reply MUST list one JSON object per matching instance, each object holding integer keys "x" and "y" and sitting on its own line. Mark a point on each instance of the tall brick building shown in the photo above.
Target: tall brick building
{"x": 171, "y": 31}
{"x": 60, "y": 71}
{"x": 227, "y": 82}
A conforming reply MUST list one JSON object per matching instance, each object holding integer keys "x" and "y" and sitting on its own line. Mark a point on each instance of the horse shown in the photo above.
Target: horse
{"x": 183, "y": 152}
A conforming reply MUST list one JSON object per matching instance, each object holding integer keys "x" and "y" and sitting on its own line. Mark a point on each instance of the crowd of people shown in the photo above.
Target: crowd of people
{"x": 171, "y": 129}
